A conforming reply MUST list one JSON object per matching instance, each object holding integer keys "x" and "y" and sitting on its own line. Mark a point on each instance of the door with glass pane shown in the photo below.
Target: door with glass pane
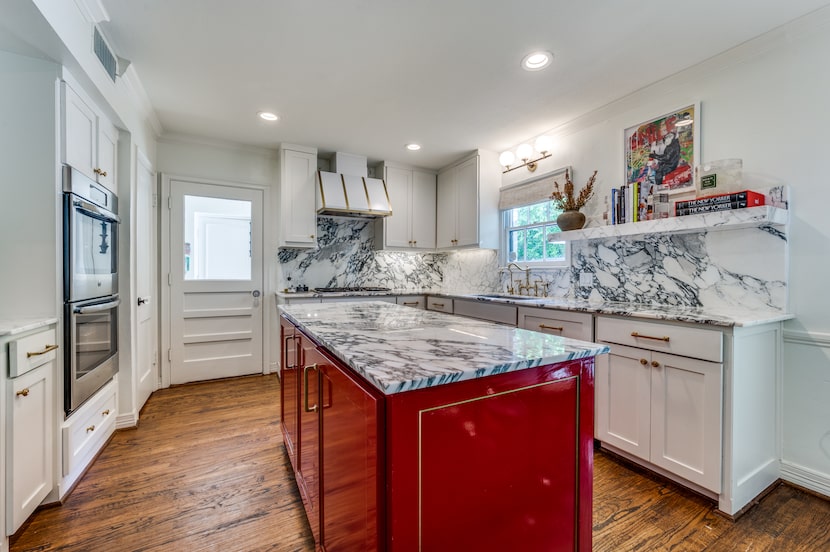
{"x": 215, "y": 281}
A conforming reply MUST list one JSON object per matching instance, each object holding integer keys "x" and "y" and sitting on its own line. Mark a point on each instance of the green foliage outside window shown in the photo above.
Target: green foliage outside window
{"x": 528, "y": 229}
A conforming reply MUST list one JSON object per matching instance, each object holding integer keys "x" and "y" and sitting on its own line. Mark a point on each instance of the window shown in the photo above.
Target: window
{"x": 217, "y": 238}
{"x": 527, "y": 234}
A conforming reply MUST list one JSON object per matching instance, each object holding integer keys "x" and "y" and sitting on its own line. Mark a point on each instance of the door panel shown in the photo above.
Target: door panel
{"x": 145, "y": 266}
{"x": 423, "y": 210}
{"x": 216, "y": 281}
{"x": 308, "y": 454}
{"x": 467, "y": 180}
{"x": 399, "y": 188}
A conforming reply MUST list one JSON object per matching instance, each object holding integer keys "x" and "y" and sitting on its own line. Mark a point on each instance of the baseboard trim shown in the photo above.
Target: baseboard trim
{"x": 813, "y": 339}
{"x": 126, "y": 421}
{"x": 806, "y": 478}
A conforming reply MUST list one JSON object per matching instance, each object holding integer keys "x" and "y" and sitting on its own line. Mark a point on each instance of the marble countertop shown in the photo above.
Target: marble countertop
{"x": 399, "y": 348}
{"x": 727, "y": 316}
{"x": 18, "y": 326}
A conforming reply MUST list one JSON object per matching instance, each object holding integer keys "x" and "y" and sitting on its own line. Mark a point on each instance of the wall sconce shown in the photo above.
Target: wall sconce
{"x": 542, "y": 146}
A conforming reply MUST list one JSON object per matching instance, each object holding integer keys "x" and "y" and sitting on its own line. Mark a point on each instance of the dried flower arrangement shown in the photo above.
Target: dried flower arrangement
{"x": 565, "y": 200}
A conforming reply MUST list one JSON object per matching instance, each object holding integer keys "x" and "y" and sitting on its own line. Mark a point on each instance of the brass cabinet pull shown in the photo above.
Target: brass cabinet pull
{"x": 306, "y": 370}
{"x": 43, "y": 352}
{"x": 105, "y": 412}
{"x": 643, "y": 361}
{"x": 22, "y": 393}
{"x": 546, "y": 327}
{"x": 664, "y": 338}
{"x": 90, "y": 428}
{"x": 285, "y": 351}
{"x": 438, "y": 305}
{"x": 412, "y": 304}
{"x": 655, "y": 364}
{"x": 99, "y": 172}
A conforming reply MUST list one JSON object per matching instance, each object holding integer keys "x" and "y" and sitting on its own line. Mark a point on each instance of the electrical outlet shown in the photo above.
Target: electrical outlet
{"x": 586, "y": 279}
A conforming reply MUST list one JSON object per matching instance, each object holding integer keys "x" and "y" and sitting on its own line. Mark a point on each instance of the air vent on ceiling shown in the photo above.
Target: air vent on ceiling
{"x": 104, "y": 54}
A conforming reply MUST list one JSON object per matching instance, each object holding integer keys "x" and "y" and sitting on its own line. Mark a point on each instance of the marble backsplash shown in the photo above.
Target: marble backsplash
{"x": 745, "y": 267}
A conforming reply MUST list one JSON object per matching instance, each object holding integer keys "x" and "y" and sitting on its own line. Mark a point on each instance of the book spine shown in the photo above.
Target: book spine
{"x": 680, "y": 211}
{"x": 613, "y": 206}
{"x": 752, "y": 199}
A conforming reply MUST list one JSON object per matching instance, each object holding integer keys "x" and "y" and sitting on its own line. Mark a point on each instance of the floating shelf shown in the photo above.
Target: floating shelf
{"x": 751, "y": 217}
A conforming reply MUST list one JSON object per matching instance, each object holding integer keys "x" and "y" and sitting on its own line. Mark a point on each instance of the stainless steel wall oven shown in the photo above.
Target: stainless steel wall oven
{"x": 90, "y": 272}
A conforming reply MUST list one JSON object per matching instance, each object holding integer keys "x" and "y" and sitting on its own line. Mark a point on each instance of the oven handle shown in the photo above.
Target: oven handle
{"x": 92, "y": 210}
{"x": 98, "y": 308}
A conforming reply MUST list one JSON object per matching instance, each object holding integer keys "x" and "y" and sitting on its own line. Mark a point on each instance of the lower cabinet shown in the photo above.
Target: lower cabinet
{"x": 573, "y": 325}
{"x": 415, "y": 301}
{"x": 484, "y": 310}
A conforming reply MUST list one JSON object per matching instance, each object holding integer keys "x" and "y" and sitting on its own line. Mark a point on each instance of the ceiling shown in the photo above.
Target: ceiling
{"x": 369, "y": 76}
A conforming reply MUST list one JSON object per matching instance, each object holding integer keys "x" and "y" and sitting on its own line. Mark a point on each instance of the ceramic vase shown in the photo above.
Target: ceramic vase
{"x": 570, "y": 220}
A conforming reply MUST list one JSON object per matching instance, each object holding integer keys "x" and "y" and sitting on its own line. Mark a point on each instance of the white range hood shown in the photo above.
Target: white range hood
{"x": 351, "y": 196}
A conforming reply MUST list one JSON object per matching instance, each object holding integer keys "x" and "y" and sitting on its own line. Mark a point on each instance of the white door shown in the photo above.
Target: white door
{"x": 215, "y": 281}
{"x": 147, "y": 376}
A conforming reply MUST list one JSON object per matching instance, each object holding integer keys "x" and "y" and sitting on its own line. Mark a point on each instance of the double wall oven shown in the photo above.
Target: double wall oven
{"x": 90, "y": 276}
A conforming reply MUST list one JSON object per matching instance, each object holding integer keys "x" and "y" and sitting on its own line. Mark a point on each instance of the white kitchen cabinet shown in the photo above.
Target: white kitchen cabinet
{"x": 297, "y": 201}
{"x": 87, "y": 431}
{"x": 693, "y": 402}
{"x": 484, "y": 310}
{"x": 441, "y": 304}
{"x": 414, "y": 301}
{"x": 573, "y": 325}
{"x": 413, "y": 199}
{"x": 89, "y": 140}
{"x": 467, "y": 203}
{"x": 30, "y": 400}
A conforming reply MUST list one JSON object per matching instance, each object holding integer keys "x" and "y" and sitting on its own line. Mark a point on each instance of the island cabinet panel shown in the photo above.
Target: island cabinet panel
{"x": 496, "y": 463}
{"x": 308, "y": 446}
{"x": 289, "y": 388}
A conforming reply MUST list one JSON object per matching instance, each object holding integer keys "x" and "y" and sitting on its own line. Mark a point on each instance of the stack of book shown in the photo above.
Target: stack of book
{"x": 627, "y": 204}
{"x": 721, "y": 202}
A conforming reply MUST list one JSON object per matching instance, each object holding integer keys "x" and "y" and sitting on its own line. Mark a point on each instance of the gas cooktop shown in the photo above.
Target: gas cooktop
{"x": 349, "y": 289}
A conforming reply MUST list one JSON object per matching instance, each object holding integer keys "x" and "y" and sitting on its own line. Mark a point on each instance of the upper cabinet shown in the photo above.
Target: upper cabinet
{"x": 89, "y": 140}
{"x": 297, "y": 209}
{"x": 468, "y": 203}
{"x": 412, "y": 197}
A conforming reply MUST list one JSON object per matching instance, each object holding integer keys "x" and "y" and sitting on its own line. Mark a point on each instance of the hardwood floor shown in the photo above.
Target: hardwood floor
{"x": 206, "y": 470}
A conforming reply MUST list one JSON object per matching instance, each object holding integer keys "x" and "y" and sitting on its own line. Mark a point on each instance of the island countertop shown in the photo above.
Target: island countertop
{"x": 398, "y": 348}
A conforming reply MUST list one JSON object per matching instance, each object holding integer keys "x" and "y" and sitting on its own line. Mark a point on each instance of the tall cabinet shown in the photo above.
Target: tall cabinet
{"x": 412, "y": 196}
{"x": 467, "y": 203}
{"x": 297, "y": 206}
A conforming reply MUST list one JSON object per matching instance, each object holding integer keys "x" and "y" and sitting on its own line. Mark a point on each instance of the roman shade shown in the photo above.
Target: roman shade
{"x": 530, "y": 191}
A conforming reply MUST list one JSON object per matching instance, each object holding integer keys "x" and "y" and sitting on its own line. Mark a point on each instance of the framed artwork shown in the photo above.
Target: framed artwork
{"x": 661, "y": 153}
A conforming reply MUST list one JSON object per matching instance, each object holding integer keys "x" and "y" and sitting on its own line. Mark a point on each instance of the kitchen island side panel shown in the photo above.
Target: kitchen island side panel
{"x": 497, "y": 463}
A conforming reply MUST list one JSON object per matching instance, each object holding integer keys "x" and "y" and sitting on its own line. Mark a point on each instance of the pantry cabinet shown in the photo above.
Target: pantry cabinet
{"x": 89, "y": 140}
{"x": 412, "y": 196}
{"x": 297, "y": 209}
{"x": 467, "y": 203}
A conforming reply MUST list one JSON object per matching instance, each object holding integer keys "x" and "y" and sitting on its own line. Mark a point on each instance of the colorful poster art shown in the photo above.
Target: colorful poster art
{"x": 660, "y": 153}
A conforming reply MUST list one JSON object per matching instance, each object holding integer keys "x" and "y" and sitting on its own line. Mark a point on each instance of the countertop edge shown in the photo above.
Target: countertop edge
{"x": 16, "y": 327}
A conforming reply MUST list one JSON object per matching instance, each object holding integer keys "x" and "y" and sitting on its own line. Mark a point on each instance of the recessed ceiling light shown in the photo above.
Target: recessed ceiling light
{"x": 536, "y": 61}
{"x": 267, "y": 116}
{"x": 413, "y": 147}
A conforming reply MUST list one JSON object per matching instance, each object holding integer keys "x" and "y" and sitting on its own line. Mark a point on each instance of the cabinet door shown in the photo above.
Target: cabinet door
{"x": 623, "y": 399}
{"x": 298, "y": 209}
{"x": 423, "y": 210}
{"x": 107, "y": 154}
{"x": 289, "y": 389}
{"x": 446, "y": 209}
{"x": 467, "y": 202}
{"x": 399, "y": 224}
{"x": 686, "y": 418}
{"x": 573, "y": 325}
{"x": 350, "y": 483}
{"x": 308, "y": 447}
{"x": 79, "y": 133}
{"x": 29, "y": 471}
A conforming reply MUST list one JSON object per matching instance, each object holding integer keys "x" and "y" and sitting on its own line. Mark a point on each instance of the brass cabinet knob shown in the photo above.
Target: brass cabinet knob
{"x": 99, "y": 172}
{"x": 23, "y": 393}
{"x": 90, "y": 428}
{"x": 311, "y": 236}
{"x": 655, "y": 364}
{"x": 643, "y": 361}
{"x": 105, "y": 412}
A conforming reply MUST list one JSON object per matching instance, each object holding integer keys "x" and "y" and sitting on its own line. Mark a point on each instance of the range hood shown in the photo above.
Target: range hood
{"x": 347, "y": 195}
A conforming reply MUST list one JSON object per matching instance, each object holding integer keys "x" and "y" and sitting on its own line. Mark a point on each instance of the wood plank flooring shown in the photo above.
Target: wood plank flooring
{"x": 205, "y": 470}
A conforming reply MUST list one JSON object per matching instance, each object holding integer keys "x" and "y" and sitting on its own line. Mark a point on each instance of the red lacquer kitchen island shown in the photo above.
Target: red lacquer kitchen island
{"x": 410, "y": 430}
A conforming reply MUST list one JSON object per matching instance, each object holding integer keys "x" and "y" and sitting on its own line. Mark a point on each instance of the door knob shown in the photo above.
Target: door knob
{"x": 255, "y": 293}
{"x": 143, "y": 300}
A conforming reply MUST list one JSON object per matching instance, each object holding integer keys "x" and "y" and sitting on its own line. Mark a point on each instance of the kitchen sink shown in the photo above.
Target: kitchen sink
{"x": 508, "y": 296}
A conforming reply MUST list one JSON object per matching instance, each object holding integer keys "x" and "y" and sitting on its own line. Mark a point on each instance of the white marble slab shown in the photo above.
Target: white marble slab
{"x": 398, "y": 348}
{"x": 15, "y": 327}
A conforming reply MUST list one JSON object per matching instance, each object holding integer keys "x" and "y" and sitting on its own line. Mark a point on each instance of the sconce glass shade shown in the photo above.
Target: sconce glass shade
{"x": 543, "y": 144}
{"x": 506, "y": 158}
{"x": 524, "y": 152}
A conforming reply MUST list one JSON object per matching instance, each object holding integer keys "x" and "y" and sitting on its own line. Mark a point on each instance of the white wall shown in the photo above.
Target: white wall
{"x": 766, "y": 103}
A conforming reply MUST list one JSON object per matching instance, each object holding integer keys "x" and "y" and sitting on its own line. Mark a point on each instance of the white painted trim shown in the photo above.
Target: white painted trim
{"x": 176, "y": 138}
{"x": 126, "y": 421}
{"x": 800, "y": 337}
{"x": 805, "y": 477}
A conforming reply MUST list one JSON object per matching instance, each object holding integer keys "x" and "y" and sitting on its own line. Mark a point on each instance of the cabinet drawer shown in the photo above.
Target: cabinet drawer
{"x": 27, "y": 353}
{"x": 86, "y": 431}
{"x": 415, "y": 301}
{"x": 442, "y": 304}
{"x": 492, "y": 312}
{"x": 573, "y": 325}
{"x": 666, "y": 338}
